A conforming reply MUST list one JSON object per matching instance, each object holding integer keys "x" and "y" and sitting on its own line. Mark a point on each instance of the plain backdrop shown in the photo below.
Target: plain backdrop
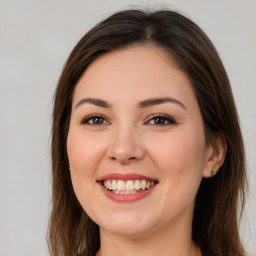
{"x": 36, "y": 37}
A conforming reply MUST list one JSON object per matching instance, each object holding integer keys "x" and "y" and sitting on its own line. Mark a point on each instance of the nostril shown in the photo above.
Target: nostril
{"x": 130, "y": 158}
{"x": 125, "y": 151}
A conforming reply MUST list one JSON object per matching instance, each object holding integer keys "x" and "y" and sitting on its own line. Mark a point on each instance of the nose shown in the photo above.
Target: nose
{"x": 125, "y": 147}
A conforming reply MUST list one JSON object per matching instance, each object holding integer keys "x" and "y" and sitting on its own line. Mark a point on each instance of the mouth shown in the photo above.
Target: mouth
{"x": 127, "y": 187}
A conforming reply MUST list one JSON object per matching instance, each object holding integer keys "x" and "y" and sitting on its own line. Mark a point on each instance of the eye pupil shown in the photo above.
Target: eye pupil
{"x": 159, "y": 120}
{"x": 98, "y": 120}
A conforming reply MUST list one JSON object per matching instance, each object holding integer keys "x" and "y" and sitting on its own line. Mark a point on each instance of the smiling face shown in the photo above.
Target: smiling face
{"x": 136, "y": 143}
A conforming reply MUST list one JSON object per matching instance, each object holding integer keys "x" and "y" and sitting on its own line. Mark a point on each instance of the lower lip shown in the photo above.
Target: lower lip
{"x": 125, "y": 198}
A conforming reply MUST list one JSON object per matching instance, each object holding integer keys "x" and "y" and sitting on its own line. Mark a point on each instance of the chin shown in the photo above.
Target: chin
{"x": 127, "y": 225}
{"x": 127, "y": 230}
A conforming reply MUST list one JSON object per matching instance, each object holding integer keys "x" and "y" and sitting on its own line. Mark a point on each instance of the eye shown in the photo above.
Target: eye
{"x": 95, "y": 120}
{"x": 160, "y": 120}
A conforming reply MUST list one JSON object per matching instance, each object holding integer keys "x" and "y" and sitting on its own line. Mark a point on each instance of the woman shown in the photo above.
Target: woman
{"x": 147, "y": 153}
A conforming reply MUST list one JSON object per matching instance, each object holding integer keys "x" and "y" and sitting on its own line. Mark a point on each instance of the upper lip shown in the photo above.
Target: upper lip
{"x": 128, "y": 176}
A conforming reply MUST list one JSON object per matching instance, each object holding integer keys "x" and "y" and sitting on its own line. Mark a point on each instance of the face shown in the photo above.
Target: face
{"x": 136, "y": 143}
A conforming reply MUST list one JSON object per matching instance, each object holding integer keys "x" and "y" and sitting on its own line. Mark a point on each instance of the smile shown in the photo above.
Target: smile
{"x": 127, "y": 187}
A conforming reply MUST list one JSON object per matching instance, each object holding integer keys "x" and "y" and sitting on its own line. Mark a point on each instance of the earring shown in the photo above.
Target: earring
{"x": 213, "y": 172}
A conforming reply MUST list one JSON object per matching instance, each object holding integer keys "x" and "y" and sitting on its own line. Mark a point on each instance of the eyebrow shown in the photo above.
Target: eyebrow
{"x": 94, "y": 101}
{"x": 143, "y": 104}
{"x": 157, "y": 101}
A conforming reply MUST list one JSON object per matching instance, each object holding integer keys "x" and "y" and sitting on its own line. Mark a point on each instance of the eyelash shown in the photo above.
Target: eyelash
{"x": 94, "y": 117}
{"x": 161, "y": 117}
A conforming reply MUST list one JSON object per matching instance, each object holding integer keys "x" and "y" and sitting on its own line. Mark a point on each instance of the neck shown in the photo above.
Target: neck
{"x": 165, "y": 242}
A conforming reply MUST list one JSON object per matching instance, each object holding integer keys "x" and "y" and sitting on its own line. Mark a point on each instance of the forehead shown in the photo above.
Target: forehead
{"x": 134, "y": 73}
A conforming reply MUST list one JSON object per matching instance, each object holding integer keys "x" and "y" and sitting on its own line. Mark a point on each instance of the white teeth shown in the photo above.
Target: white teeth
{"x": 143, "y": 184}
{"x": 130, "y": 192}
{"x": 109, "y": 184}
{"x": 114, "y": 184}
{"x": 127, "y": 187}
{"x": 120, "y": 185}
{"x": 126, "y": 192}
{"x": 137, "y": 185}
{"x": 148, "y": 184}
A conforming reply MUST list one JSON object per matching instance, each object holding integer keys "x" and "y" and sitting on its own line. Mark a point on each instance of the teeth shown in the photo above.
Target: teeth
{"x": 120, "y": 185}
{"x": 130, "y": 192}
{"x": 114, "y": 184}
{"x": 143, "y": 184}
{"x": 126, "y": 192}
{"x": 137, "y": 185}
{"x": 109, "y": 184}
{"x": 127, "y": 187}
{"x": 148, "y": 184}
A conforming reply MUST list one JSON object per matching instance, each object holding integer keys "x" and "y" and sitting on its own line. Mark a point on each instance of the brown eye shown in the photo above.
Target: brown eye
{"x": 161, "y": 120}
{"x": 95, "y": 120}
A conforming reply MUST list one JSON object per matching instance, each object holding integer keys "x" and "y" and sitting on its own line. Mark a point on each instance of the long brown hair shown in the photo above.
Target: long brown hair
{"x": 216, "y": 214}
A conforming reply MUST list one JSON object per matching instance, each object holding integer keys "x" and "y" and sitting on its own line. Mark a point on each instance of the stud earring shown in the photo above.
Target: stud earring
{"x": 213, "y": 172}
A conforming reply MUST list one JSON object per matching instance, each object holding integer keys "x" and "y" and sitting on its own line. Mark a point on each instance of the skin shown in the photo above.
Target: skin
{"x": 128, "y": 139}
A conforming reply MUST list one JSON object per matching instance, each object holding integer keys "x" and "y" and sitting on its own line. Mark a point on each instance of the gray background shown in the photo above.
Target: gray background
{"x": 35, "y": 40}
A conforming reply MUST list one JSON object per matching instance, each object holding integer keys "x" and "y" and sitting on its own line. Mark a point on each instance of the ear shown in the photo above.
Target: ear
{"x": 215, "y": 155}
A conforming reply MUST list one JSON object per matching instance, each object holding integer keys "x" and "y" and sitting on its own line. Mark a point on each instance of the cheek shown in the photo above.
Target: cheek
{"x": 180, "y": 161}
{"x": 179, "y": 147}
{"x": 84, "y": 153}
{"x": 180, "y": 157}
